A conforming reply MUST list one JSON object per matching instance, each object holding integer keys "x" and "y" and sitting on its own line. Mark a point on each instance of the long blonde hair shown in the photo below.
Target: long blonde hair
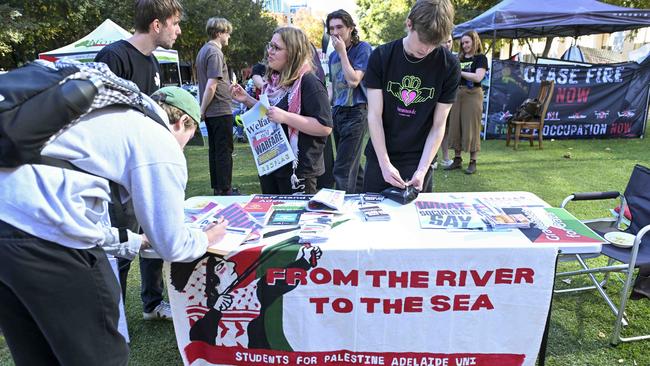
{"x": 299, "y": 53}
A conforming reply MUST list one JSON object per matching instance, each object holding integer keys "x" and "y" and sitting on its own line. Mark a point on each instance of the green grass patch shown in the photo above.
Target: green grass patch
{"x": 581, "y": 324}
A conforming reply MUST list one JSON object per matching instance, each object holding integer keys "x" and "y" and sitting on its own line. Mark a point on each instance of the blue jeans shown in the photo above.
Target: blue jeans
{"x": 350, "y": 126}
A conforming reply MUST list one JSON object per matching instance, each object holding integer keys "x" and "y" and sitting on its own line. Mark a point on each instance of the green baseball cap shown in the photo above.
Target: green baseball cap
{"x": 183, "y": 100}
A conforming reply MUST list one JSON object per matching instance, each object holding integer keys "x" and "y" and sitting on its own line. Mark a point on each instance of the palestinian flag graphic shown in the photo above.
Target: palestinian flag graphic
{"x": 557, "y": 225}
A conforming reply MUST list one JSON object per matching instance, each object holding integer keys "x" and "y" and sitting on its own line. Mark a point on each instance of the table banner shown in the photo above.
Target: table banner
{"x": 295, "y": 304}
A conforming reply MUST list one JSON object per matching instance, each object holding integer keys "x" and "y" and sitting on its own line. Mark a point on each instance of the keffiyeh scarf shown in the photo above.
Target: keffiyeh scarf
{"x": 276, "y": 93}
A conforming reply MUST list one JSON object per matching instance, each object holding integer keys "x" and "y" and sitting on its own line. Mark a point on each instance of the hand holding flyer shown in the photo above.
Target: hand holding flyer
{"x": 271, "y": 149}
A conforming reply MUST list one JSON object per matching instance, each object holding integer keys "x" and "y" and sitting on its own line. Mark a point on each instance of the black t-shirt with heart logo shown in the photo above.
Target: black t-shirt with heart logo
{"x": 411, "y": 88}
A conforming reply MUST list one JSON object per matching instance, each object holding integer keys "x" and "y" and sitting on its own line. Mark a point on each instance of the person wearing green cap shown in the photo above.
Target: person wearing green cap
{"x": 59, "y": 299}
{"x": 183, "y": 102}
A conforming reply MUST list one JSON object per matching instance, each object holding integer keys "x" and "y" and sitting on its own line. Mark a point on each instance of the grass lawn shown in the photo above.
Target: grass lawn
{"x": 580, "y": 323}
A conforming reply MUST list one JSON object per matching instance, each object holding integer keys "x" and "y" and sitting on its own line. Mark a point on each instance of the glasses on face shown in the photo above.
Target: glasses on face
{"x": 272, "y": 47}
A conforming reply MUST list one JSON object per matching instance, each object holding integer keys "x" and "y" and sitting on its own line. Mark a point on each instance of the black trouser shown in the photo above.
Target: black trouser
{"x": 350, "y": 126}
{"x": 58, "y": 305}
{"x": 374, "y": 180}
{"x": 279, "y": 182}
{"x": 327, "y": 179}
{"x": 220, "y": 147}
{"x": 151, "y": 284}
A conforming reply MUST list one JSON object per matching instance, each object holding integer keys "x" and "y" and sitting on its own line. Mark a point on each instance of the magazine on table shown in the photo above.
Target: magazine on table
{"x": 261, "y": 205}
{"x": 327, "y": 200}
{"x": 242, "y": 227}
{"x": 270, "y": 147}
{"x": 449, "y": 215}
{"x": 501, "y": 218}
{"x": 285, "y": 215}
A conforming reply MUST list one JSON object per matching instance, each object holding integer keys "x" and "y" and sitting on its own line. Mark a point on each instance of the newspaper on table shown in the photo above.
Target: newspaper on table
{"x": 271, "y": 149}
{"x": 449, "y": 215}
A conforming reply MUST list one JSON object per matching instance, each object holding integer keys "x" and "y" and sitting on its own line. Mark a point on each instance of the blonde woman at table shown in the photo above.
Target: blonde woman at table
{"x": 300, "y": 104}
{"x": 466, "y": 113}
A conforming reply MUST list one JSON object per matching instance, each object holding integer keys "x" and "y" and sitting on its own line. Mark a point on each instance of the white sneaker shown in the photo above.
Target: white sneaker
{"x": 162, "y": 311}
{"x": 434, "y": 165}
{"x": 446, "y": 163}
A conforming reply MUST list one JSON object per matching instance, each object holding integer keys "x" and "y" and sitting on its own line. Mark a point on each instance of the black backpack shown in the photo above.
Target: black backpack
{"x": 40, "y": 100}
{"x": 528, "y": 110}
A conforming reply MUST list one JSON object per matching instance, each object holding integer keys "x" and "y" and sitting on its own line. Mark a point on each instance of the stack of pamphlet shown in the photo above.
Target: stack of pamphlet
{"x": 374, "y": 213}
{"x": 314, "y": 227}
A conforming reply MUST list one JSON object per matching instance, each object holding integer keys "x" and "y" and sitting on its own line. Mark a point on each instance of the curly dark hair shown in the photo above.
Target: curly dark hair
{"x": 347, "y": 20}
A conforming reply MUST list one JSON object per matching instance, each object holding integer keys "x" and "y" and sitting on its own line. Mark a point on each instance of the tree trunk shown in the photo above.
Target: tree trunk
{"x": 547, "y": 46}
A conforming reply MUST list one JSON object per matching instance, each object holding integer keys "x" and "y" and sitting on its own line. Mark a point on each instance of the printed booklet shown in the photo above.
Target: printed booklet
{"x": 327, "y": 200}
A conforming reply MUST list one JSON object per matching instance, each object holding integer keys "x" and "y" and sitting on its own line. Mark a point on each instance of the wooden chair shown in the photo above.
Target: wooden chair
{"x": 515, "y": 127}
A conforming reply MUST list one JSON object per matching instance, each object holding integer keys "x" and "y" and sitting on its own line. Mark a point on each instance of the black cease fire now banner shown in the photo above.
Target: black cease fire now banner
{"x": 601, "y": 101}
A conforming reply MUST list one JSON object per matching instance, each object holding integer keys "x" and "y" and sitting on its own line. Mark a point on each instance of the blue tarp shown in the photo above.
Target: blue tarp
{"x": 562, "y": 18}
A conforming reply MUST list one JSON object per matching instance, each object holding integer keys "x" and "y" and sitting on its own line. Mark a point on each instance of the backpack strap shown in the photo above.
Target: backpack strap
{"x": 119, "y": 208}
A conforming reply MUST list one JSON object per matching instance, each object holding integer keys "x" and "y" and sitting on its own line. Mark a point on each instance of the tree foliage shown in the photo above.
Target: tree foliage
{"x": 382, "y": 21}
{"x": 311, "y": 25}
{"x": 252, "y": 29}
{"x": 29, "y": 27}
{"x": 639, "y": 4}
{"x": 33, "y": 26}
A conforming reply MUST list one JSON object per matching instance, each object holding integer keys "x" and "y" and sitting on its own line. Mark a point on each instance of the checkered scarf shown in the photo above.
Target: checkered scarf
{"x": 112, "y": 90}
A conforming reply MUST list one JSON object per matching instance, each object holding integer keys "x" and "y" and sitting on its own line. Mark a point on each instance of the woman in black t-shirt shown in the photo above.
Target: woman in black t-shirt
{"x": 466, "y": 113}
{"x": 299, "y": 102}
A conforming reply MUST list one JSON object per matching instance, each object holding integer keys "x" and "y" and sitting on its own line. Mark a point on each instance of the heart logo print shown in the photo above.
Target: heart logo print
{"x": 408, "y": 96}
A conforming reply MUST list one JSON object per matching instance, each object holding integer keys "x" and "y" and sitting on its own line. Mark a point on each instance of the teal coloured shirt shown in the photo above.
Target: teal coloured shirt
{"x": 342, "y": 94}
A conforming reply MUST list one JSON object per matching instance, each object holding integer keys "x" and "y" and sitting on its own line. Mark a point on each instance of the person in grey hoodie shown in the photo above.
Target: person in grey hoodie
{"x": 58, "y": 296}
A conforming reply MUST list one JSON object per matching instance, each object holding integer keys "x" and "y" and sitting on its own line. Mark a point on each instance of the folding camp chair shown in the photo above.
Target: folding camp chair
{"x": 637, "y": 198}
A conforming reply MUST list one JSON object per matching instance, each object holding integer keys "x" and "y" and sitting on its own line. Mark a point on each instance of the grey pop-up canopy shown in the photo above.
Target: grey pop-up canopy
{"x": 562, "y": 18}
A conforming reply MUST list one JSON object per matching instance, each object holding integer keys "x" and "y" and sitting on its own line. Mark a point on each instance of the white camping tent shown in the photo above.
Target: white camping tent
{"x": 85, "y": 49}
